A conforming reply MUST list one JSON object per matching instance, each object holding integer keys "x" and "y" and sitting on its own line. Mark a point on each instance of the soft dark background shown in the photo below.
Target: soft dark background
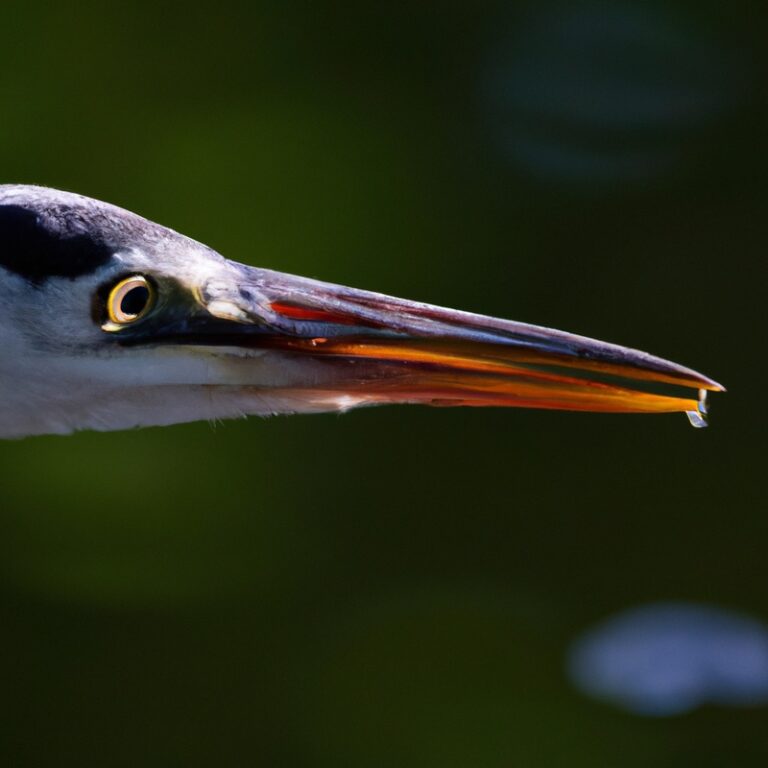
{"x": 397, "y": 586}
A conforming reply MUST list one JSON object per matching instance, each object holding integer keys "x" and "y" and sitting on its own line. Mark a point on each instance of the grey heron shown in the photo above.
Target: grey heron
{"x": 109, "y": 321}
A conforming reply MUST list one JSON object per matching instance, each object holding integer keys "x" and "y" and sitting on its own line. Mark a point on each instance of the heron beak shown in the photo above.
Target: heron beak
{"x": 379, "y": 349}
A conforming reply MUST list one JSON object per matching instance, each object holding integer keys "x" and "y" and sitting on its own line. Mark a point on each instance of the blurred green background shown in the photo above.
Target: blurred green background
{"x": 397, "y": 586}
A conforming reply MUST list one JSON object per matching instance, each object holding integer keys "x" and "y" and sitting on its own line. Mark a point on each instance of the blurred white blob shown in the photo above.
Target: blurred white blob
{"x": 669, "y": 658}
{"x": 605, "y": 92}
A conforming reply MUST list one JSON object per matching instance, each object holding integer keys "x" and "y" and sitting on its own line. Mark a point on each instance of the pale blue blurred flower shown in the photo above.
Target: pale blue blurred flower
{"x": 669, "y": 658}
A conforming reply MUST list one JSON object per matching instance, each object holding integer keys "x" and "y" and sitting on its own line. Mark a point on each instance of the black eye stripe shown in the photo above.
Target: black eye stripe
{"x": 35, "y": 252}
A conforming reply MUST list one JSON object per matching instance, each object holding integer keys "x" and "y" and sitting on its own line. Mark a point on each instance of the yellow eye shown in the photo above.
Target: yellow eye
{"x": 130, "y": 299}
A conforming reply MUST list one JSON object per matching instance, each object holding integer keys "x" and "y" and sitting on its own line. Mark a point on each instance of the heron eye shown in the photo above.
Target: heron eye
{"x": 130, "y": 299}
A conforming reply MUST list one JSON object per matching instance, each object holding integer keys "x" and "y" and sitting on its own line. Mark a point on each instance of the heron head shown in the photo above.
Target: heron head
{"x": 109, "y": 321}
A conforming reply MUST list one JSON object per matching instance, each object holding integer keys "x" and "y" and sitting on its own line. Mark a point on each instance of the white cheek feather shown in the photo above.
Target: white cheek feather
{"x": 156, "y": 386}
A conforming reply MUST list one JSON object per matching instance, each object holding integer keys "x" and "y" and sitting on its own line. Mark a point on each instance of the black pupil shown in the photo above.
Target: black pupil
{"x": 134, "y": 302}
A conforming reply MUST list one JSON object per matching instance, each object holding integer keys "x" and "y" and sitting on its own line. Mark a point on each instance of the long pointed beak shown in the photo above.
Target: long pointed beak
{"x": 386, "y": 350}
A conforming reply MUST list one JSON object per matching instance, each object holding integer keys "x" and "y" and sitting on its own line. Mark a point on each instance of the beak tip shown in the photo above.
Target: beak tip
{"x": 714, "y": 386}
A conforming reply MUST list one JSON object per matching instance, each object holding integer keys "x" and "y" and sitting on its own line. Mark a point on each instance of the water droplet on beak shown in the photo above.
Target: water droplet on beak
{"x": 698, "y": 418}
